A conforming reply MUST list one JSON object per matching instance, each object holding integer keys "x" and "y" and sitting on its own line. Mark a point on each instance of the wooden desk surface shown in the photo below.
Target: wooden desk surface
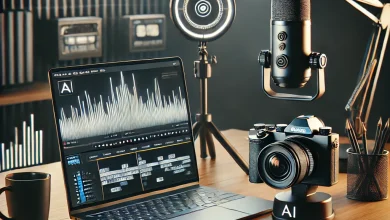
{"x": 224, "y": 174}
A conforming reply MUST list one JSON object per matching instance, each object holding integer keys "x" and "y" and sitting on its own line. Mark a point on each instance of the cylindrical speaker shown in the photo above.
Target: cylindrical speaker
{"x": 203, "y": 20}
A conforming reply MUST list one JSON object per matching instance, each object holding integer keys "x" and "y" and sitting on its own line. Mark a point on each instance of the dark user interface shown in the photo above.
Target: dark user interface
{"x": 123, "y": 129}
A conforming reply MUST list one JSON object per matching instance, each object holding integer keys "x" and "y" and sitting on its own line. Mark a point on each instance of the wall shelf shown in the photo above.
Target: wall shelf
{"x": 37, "y": 91}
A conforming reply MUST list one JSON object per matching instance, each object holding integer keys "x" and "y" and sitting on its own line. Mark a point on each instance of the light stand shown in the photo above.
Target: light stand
{"x": 204, "y": 21}
{"x": 303, "y": 202}
{"x": 204, "y": 127}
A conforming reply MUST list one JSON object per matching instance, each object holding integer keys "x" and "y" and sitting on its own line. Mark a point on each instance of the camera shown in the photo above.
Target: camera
{"x": 302, "y": 152}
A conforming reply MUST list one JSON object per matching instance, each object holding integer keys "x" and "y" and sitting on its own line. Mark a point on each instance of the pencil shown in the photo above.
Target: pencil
{"x": 364, "y": 139}
{"x": 358, "y": 128}
{"x": 377, "y": 135}
{"x": 384, "y": 137}
{"x": 353, "y": 135}
{"x": 351, "y": 138}
{"x": 354, "y": 143}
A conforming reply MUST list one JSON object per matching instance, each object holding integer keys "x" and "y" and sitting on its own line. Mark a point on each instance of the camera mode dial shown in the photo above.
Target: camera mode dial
{"x": 325, "y": 131}
{"x": 270, "y": 127}
{"x": 259, "y": 126}
{"x": 262, "y": 134}
{"x": 281, "y": 127}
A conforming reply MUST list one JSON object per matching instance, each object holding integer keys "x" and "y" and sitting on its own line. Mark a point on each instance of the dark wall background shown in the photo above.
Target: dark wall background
{"x": 235, "y": 95}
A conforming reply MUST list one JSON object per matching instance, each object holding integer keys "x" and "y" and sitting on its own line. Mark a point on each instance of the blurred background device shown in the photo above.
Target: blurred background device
{"x": 144, "y": 32}
{"x": 73, "y": 38}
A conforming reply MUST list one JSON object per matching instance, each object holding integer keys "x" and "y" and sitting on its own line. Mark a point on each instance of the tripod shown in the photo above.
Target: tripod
{"x": 204, "y": 127}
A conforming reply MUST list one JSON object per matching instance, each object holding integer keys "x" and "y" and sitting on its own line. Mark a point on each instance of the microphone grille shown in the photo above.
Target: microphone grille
{"x": 290, "y": 10}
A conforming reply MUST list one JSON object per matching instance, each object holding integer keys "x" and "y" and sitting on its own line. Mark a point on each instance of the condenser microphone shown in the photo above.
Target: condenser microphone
{"x": 291, "y": 60}
{"x": 290, "y": 42}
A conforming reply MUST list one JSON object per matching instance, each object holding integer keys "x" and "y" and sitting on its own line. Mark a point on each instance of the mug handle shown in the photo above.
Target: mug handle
{"x": 8, "y": 188}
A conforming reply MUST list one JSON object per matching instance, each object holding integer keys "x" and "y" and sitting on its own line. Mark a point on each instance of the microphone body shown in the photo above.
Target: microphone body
{"x": 290, "y": 43}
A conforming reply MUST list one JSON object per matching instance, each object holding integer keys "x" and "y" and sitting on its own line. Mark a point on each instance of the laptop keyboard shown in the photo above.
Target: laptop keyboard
{"x": 169, "y": 206}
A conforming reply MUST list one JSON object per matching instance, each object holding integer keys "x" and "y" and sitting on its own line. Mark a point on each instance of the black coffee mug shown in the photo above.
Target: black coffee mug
{"x": 28, "y": 196}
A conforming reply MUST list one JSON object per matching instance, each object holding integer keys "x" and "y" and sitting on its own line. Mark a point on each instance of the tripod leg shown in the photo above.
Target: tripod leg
{"x": 202, "y": 141}
{"x": 196, "y": 129}
{"x": 210, "y": 144}
{"x": 228, "y": 147}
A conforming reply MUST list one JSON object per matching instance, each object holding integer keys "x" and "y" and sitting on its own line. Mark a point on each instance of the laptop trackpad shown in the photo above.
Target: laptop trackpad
{"x": 215, "y": 213}
{"x": 253, "y": 206}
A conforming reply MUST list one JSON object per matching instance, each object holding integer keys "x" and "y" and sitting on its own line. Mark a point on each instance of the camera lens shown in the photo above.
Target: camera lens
{"x": 278, "y": 166}
{"x": 285, "y": 163}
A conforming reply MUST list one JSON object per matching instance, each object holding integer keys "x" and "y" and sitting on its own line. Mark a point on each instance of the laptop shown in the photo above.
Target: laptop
{"x": 127, "y": 148}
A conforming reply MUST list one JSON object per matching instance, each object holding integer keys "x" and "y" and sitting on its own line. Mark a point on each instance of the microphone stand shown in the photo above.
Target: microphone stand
{"x": 204, "y": 127}
{"x": 360, "y": 103}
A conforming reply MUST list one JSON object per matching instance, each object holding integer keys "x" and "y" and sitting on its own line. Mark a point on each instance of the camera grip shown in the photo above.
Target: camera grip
{"x": 254, "y": 150}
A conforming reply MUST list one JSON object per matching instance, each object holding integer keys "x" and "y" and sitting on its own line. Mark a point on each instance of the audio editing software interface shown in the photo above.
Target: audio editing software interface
{"x": 124, "y": 130}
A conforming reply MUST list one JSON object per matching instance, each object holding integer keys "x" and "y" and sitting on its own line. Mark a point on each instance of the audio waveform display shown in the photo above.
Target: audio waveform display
{"x": 27, "y": 153}
{"x": 124, "y": 110}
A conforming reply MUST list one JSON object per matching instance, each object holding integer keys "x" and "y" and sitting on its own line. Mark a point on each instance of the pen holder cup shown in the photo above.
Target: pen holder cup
{"x": 367, "y": 177}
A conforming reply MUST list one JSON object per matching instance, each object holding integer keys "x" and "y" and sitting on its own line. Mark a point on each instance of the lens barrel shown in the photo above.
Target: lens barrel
{"x": 285, "y": 163}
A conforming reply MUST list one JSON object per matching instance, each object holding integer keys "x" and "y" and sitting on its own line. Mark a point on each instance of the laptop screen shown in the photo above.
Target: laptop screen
{"x": 124, "y": 129}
